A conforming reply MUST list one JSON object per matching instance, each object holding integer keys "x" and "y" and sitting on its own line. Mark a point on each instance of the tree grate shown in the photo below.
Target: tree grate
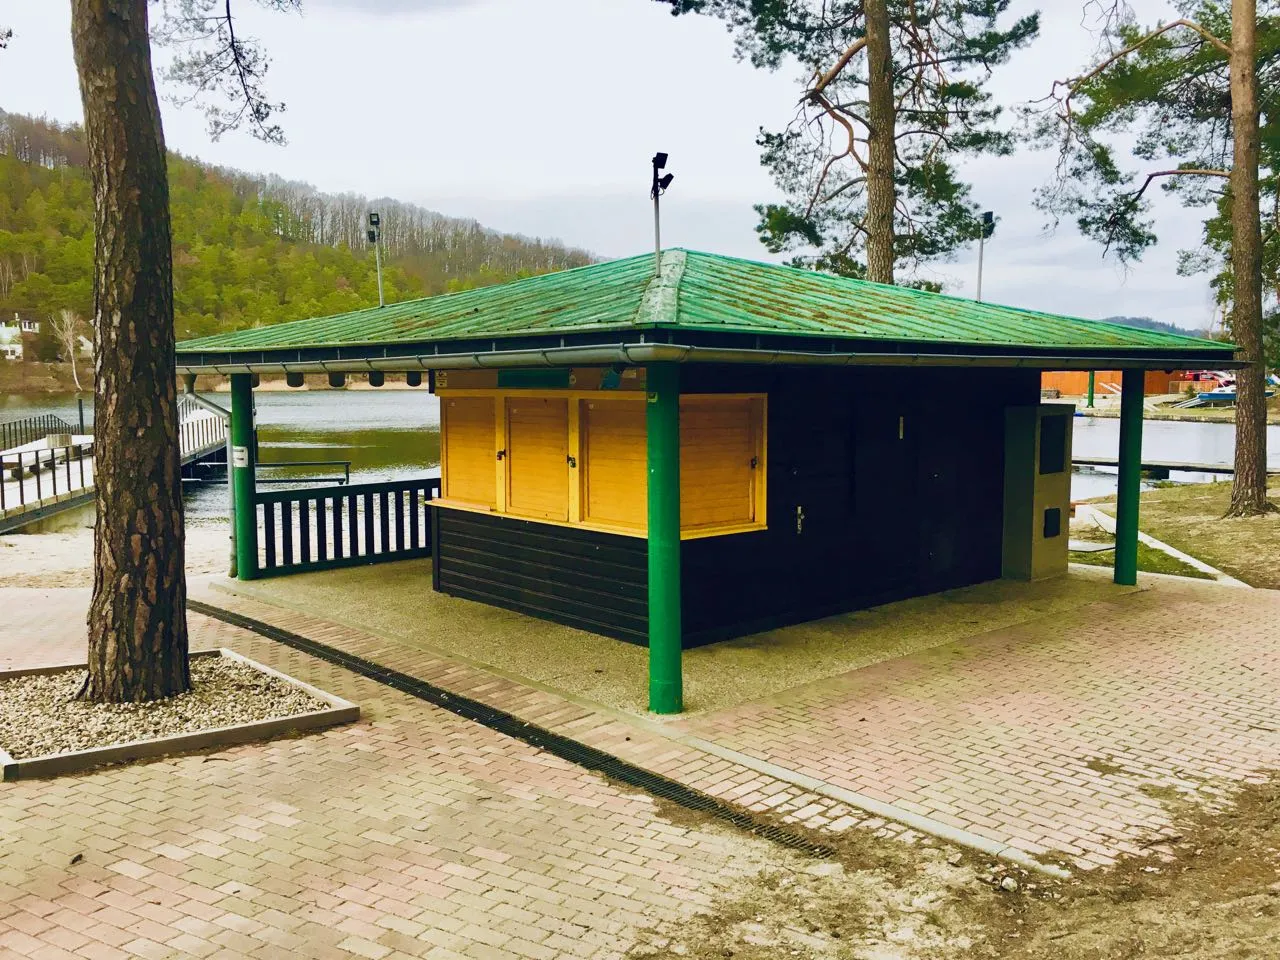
{"x": 510, "y": 725}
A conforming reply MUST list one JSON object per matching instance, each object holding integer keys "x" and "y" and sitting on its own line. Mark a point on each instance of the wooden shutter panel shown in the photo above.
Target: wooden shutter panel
{"x": 538, "y": 457}
{"x": 614, "y": 468}
{"x": 467, "y": 451}
{"x": 718, "y": 442}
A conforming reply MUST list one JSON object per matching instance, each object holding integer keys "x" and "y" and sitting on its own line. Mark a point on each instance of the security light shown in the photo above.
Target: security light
{"x": 988, "y": 223}
{"x": 373, "y": 236}
{"x": 665, "y": 182}
{"x": 374, "y": 219}
{"x": 659, "y": 161}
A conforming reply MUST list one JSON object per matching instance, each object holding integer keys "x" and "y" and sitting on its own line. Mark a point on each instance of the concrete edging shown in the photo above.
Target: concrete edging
{"x": 76, "y": 761}
{"x": 1108, "y": 524}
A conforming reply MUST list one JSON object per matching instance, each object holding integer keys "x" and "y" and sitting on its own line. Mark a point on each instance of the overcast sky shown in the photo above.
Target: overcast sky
{"x": 540, "y": 118}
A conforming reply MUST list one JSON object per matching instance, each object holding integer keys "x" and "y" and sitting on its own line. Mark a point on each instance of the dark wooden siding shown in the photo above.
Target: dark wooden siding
{"x": 892, "y": 507}
{"x": 888, "y": 513}
{"x": 595, "y": 581}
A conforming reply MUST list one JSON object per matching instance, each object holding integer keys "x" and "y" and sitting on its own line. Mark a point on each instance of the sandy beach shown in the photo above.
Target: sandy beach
{"x": 65, "y": 558}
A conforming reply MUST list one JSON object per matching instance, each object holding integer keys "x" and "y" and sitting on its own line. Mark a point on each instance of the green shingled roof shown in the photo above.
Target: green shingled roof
{"x": 703, "y": 292}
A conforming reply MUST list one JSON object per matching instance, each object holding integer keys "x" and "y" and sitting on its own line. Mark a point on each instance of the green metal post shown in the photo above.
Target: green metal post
{"x": 1129, "y": 485}
{"x": 666, "y": 684}
{"x": 242, "y": 476}
{"x": 1090, "y": 404}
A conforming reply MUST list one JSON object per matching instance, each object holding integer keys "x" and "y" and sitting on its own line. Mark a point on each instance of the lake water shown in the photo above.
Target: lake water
{"x": 393, "y": 434}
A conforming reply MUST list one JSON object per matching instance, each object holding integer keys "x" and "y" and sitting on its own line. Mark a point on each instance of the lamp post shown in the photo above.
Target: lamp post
{"x": 660, "y": 184}
{"x": 988, "y": 228}
{"x": 375, "y": 237}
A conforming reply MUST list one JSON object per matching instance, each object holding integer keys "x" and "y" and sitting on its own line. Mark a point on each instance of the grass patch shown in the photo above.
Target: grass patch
{"x": 1150, "y": 560}
{"x": 1190, "y": 517}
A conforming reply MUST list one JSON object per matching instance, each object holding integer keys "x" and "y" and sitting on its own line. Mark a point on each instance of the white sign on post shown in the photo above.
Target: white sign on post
{"x": 239, "y": 456}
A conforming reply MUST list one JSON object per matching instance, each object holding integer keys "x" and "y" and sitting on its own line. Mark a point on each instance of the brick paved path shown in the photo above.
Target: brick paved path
{"x": 1049, "y": 735}
{"x": 1058, "y": 736}
{"x": 411, "y": 833}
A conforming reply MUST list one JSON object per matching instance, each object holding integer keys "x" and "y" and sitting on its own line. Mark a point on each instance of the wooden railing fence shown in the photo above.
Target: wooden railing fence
{"x": 318, "y": 529}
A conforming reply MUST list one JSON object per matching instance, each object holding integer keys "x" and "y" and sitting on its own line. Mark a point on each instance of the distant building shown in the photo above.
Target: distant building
{"x": 1075, "y": 383}
{"x": 11, "y": 336}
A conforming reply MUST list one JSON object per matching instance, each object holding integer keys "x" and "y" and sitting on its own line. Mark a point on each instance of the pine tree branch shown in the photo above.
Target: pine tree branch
{"x": 1187, "y": 171}
{"x": 826, "y": 79}
{"x": 1073, "y": 85}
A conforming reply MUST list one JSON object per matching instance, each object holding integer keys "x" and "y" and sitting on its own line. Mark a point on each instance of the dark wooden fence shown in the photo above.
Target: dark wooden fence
{"x": 15, "y": 433}
{"x": 318, "y": 529}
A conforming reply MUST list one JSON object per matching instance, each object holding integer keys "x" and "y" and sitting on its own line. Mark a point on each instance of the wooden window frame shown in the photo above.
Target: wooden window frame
{"x": 575, "y": 398}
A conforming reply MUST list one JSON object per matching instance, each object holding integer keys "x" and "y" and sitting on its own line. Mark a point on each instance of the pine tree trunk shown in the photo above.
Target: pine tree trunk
{"x": 880, "y": 152}
{"x": 137, "y": 618}
{"x": 1249, "y": 489}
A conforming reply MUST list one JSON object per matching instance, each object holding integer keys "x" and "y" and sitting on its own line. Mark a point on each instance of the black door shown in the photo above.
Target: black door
{"x": 886, "y": 493}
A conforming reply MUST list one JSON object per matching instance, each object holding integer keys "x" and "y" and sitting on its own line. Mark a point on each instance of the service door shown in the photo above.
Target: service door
{"x": 538, "y": 457}
{"x": 886, "y": 494}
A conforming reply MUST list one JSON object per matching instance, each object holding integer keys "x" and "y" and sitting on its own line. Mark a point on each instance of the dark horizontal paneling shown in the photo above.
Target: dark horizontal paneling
{"x": 582, "y": 578}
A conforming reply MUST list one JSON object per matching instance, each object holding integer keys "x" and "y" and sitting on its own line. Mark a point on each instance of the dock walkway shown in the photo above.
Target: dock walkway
{"x": 44, "y": 477}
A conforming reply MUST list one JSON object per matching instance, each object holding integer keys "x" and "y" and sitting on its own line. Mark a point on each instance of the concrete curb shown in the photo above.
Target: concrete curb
{"x": 76, "y": 761}
{"x": 879, "y": 808}
{"x": 1108, "y": 523}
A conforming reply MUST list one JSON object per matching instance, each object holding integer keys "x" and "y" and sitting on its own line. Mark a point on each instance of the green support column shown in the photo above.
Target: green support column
{"x": 242, "y": 476}
{"x": 666, "y": 683}
{"x": 1129, "y": 485}
{"x": 1090, "y": 390}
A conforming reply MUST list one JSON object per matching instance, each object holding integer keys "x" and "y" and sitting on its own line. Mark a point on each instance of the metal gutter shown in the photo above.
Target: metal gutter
{"x": 641, "y": 353}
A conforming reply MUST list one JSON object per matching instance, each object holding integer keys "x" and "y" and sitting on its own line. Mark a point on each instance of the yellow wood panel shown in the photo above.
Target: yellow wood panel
{"x": 467, "y": 450}
{"x": 718, "y": 440}
{"x": 613, "y": 456}
{"x": 537, "y": 457}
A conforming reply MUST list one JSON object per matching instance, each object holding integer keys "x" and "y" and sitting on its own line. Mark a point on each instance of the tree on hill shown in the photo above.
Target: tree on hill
{"x": 893, "y": 97}
{"x": 248, "y": 250}
{"x": 1191, "y": 90}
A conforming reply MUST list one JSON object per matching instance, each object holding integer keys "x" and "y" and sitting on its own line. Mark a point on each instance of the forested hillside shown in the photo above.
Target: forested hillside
{"x": 248, "y": 250}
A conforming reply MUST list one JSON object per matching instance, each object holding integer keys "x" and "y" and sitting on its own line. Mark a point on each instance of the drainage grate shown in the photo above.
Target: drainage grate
{"x": 505, "y": 723}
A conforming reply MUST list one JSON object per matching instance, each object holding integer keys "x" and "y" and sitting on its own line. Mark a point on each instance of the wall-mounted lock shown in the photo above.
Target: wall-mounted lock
{"x": 501, "y": 454}
{"x": 799, "y": 520}
{"x": 573, "y": 461}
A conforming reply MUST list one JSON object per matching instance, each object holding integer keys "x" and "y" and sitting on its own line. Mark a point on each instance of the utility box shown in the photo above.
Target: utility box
{"x": 1037, "y": 490}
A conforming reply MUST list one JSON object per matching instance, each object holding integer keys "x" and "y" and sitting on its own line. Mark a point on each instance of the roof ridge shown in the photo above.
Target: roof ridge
{"x": 659, "y": 303}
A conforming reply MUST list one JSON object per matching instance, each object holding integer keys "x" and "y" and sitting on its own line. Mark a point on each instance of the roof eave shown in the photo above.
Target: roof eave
{"x": 643, "y": 349}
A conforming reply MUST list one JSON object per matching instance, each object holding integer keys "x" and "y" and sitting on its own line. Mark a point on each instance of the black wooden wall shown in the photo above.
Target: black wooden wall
{"x": 883, "y": 483}
{"x": 595, "y": 581}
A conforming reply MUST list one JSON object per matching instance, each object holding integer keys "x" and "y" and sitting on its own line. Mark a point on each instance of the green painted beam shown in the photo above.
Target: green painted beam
{"x": 1129, "y": 485}
{"x": 1091, "y": 389}
{"x": 242, "y": 469}
{"x": 666, "y": 682}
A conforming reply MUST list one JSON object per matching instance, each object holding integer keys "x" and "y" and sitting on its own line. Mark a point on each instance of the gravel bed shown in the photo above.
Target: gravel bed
{"x": 39, "y": 715}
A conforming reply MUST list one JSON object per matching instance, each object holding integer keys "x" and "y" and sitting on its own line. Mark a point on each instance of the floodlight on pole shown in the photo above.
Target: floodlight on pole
{"x": 660, "y": 184}
{"x": 988, "y": 227}
{"x": 375, "y": 237}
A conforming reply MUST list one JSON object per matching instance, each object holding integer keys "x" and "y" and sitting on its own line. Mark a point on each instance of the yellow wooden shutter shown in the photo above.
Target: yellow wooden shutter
{"x": 718, "y": 442}
{"x": 613, "y": 461}
{"x": 538, "y": 457}
{"x": 467, "y": 450}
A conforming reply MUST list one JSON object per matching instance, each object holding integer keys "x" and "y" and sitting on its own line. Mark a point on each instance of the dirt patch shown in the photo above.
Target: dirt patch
{"x": 65, "y": 558}
{"x": 1190, "y": 517}
{"x": 1207, "y": 889}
